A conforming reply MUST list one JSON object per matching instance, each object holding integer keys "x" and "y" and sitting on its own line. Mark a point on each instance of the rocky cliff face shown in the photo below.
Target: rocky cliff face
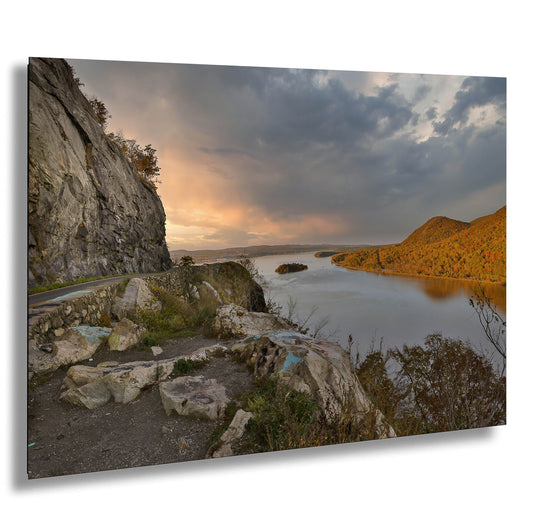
{"x": 89, "y": 214}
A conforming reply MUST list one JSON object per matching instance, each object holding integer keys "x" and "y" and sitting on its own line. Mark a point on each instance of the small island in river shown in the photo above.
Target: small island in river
{"x": 290, "y": 267}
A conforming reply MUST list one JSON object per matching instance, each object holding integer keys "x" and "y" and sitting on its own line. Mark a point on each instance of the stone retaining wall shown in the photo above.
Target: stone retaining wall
{"x": 91, "y": 307}
{"x": 170, "y": 281}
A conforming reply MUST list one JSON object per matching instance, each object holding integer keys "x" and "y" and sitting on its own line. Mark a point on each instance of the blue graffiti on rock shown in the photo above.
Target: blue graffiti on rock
{"x": 290, "y": 361}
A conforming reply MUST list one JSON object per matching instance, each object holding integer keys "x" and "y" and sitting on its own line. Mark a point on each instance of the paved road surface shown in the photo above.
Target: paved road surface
{"x": 50, "y": 295}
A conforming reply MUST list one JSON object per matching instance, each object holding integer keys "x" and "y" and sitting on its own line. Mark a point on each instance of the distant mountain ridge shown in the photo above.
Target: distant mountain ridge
{"x": 442, "y": 247}
{"x": 258, "y": 250}
{"x": 435, "y": 229}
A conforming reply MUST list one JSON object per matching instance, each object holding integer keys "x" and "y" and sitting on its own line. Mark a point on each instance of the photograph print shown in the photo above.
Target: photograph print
{"x": 231, "y": 260}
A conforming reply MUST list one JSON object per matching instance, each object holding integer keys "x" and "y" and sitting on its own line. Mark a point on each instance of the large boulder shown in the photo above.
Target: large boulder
{"x": 194, "y": 396}
{"x": 125, "y": 335}
{"x": 75, "y": 345}
{"x": 235, "y": 284}
{"x": 320, "y": 368}
{"x": 234, "y": 321}
{"x": 123, "y": 382}
{"x": 137, "y": 296}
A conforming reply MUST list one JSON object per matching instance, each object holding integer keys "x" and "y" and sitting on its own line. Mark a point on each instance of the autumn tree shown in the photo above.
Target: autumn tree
{"x": 144, "y": 159}
{"x": 439, "y": 386}
{"x": 100, "y": 111}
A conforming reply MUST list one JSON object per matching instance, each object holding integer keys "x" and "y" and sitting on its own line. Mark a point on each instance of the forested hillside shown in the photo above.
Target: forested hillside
{"x": 442, "y": 247}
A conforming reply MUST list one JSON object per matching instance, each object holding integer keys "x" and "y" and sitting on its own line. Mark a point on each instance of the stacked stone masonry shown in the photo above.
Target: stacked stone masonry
{"x": 90, "y": 307}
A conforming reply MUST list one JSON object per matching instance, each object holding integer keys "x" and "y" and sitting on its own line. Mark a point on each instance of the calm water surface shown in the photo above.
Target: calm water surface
{"x": 400, "y": 310}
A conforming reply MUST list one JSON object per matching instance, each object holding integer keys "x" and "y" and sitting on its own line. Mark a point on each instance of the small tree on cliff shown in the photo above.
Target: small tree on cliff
{"x": 75, "y": 78}
{"x": 100, "y": 111}
{"x": 144, "y": 159}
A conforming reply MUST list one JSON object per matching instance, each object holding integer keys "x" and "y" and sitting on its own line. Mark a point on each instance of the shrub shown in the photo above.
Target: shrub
{"x": 143, "y": 159}
{"x": 440, "y": 386}
{"x": 282, "y": 418}
{"x": 100, "y": 112}
{"x": 151, "y": 339}
{"x": 184, "y": 366}
{"x": 451, "y": 386}
{"x": 176, "y": 317}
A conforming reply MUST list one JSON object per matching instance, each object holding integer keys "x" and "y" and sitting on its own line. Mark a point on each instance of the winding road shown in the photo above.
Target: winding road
{"x": 42, "y": 301}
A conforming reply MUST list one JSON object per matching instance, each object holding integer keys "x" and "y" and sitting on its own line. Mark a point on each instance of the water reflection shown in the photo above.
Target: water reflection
{"x": 441, "y": 289}
{"x": 370, "y": 306}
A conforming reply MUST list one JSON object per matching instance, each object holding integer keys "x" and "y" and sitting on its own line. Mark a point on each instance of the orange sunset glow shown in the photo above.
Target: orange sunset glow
{"x": 254, "y": 156}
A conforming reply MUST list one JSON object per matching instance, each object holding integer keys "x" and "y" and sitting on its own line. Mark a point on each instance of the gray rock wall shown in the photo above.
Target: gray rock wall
{"x": 89, "y": 214}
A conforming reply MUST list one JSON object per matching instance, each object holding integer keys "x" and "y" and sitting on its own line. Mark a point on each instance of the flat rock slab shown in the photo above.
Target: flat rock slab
{"x": 123, "y": 382}
{"x": 194, "y": 396}
{"x": 90, "y": 395}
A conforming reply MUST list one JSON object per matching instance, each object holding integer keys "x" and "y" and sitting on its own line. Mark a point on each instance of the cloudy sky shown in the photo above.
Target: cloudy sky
{"x": 271, "y": 156}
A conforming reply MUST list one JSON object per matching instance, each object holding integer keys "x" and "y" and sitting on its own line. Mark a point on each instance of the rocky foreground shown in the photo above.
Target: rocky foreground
{"x": 101, "y": 399}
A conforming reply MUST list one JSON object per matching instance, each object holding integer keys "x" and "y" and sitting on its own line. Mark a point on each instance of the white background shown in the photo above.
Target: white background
{"x": 475, "y": 472}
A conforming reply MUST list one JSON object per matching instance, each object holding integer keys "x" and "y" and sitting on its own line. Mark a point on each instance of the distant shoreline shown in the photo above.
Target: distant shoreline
{"x": 424, "y": 276}
{"x": 233, "y": 253}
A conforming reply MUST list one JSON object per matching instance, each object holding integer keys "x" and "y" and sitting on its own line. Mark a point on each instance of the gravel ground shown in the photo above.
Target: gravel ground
{"x": 70, "y": 439}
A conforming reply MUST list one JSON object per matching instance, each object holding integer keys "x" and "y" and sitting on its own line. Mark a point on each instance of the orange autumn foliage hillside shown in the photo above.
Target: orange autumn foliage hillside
{"x": 441, "y": 247}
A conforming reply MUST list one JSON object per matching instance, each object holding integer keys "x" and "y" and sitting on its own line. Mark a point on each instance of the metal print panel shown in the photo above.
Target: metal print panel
{"x": 235, "y": 260}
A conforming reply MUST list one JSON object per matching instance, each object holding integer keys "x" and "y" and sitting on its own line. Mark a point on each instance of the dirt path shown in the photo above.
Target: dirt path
{"x": 70, "y": 439}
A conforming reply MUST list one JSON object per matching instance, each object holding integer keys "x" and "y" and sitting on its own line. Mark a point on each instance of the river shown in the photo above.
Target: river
{"x": 376, "y": 308}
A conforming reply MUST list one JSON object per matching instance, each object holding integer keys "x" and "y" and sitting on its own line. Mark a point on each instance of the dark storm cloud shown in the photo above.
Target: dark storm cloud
{"x": 431, "y": 113}
{"x": 284, "y": 147}
{"x": 327, "y": 150}
{"x": 474, "y": 92}
{"x": 421, "y": 92}
{"x": 289, "y": 110}
{"x": 420, "y": 178}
